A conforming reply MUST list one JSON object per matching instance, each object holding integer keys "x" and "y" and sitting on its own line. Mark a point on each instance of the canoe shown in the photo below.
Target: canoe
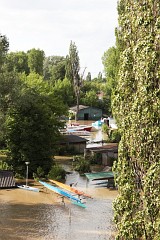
{"x": 71, "y": 189}
{"x": 73, "y": 199}
{"x": 24, "y": 187}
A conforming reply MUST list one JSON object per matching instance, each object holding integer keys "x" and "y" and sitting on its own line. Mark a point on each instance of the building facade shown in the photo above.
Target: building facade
{"x": 87, "y": 112}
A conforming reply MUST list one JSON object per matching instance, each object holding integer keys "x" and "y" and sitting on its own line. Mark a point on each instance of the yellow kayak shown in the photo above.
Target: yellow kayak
{"x": 71, "y": 189}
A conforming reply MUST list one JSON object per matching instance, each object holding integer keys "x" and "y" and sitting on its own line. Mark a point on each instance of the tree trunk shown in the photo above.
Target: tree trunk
{"x": 77, "y": 110}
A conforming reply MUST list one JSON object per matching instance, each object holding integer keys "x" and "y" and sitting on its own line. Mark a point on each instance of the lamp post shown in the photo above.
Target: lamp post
{"x": 27, "y": 163}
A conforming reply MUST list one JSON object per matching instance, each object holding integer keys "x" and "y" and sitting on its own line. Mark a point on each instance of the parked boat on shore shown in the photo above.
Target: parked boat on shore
{"x": 28, "y": 188}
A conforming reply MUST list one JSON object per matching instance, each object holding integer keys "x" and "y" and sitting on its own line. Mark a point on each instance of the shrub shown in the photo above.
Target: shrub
{"x": 39, "y": 174}
{"x": 4, "y": 165}
{"x": 115, "y": 136}
{"x": 106, "y": 129}
{"x": 96, "y": 158}
{"x": 81, "y": 165}
{"x": 57, "y": 172}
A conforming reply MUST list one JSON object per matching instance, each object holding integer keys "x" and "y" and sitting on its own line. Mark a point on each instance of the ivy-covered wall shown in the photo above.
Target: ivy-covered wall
{"x": 136, "y": 107}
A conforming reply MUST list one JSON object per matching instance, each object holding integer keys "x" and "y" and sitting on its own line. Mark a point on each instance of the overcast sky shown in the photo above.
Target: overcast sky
{"x": 50, "y": 25}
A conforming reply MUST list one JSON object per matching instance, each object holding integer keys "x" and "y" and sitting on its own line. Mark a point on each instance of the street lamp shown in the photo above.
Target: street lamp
{"x": 27, "y": 163}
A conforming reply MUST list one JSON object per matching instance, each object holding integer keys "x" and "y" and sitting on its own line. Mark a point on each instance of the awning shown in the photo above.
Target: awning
{"x": 99, "y": 175}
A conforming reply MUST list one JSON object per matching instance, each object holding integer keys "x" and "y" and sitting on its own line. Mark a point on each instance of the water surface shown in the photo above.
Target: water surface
{"x": 36, "y": 216}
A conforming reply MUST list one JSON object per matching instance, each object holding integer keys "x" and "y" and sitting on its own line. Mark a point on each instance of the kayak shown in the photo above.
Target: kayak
{"x": 71, "y": 189}
{"x": 24, "y": 187}
{"x": 73, "y": 199}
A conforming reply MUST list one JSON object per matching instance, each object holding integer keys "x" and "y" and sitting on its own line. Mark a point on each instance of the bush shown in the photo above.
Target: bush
{"x": 39, "y": 174}
{"x": 4, "y": 165}
{"x": 81, "y": 165}
{"x": 115, "y": 136}
{"x": 96, "y": 158}
{"x": 106, "y": 129}
{"x": 57, "y": 172}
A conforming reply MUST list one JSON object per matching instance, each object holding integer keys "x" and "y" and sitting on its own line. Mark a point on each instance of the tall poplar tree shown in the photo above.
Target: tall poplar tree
{"x": 136, "y": 107}
{"x": 4, "y": 46}
{"x": 73, "y": 72}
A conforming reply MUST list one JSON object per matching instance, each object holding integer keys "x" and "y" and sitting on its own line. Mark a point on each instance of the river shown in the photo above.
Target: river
{"x": 26, "y": 215}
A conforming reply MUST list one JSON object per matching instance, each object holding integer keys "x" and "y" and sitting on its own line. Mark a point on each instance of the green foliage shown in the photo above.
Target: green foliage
{"x": 39, "y": 173}
{"x": 4, "y": 165}
{"x": 89, "y": 95}
{"x": 18, "y": 62}
{"x": 90, "y": 99}
{"x": 54, "y": 68}
{"x": 114, "y": 136}
{"x": 96, "y": 159}
{"x": 33, "y": 126}
{"x": 136, "y": 106}
{"x": 81, "y": 164}
{"x": 71, "y": 115}
{"x": 64, "y": 89}
{"x": 105, "y": 129}
{"x": 4, "y": 46}
{"x": 110, "y": 61}
{"x": 9, "y": 93}
{"x": 73, "y": 71}
{"x": 35, "y": 60}
{"x": 88, "y": 77}
{"x": 57, "y": 173}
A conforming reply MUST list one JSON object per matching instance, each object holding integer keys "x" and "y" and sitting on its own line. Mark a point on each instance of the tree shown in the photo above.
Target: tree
{"x": 9, "y": 93}
{"x": 73, "y": 72}
{"x": 91, "y": 99}
{"x": 136, "y": 107}
{"x": 54, "y": 68}
{"x": 33, "y": 126}
{"x": 64, "y": 90}
{"x": 110, "y": 61}
{"x": 18, "y": 62}
{"x": 35, "y": 60}
{"x": 88, "y": 77}
{"x": 4, "y": 46}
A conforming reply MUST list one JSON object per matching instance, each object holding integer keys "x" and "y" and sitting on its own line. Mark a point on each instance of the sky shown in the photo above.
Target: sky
{"x": 50, "y": 25}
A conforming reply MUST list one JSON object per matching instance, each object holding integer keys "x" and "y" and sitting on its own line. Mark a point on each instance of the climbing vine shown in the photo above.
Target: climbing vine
{"x": 136, "y": 107}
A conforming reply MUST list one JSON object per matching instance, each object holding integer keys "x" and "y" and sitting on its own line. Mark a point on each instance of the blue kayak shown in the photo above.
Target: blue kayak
{"x": 60, "y": 191}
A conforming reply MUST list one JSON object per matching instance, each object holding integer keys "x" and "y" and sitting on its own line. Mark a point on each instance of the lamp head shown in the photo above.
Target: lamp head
{"x": 27, "y": 163}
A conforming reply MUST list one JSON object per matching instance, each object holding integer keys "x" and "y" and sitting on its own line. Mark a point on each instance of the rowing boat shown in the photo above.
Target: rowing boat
{"x": 71, "y": 189}
{"x": 73, "y": 199}
{"x": 59, "y": 191}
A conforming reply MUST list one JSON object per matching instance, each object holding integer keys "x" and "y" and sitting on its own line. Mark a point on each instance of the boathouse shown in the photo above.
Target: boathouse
{"x": 74, "y": 142}
{"x": 108, "y": 153}
{"x": 7, "y": 179}
{"x": 87, "y": 112}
